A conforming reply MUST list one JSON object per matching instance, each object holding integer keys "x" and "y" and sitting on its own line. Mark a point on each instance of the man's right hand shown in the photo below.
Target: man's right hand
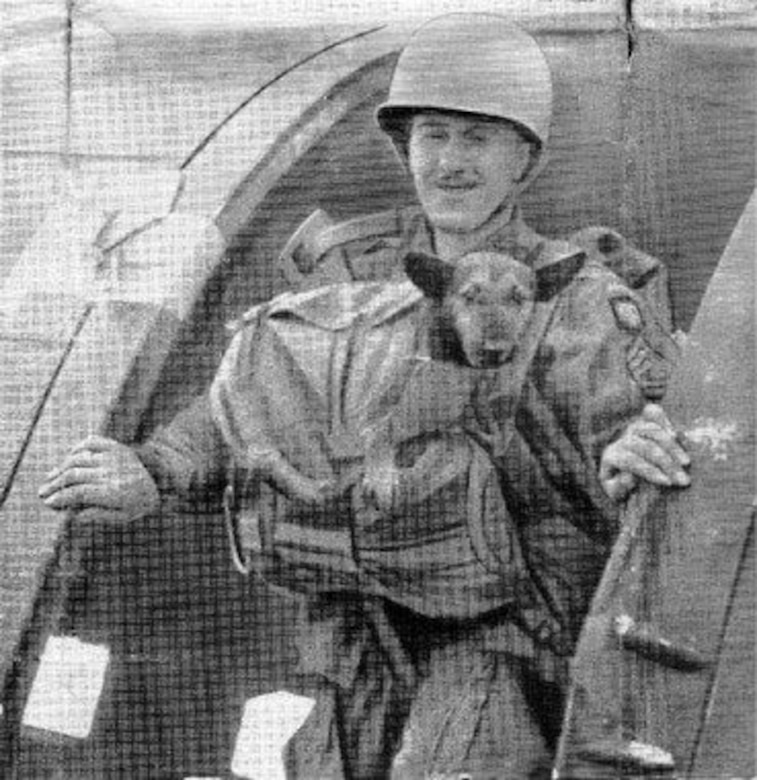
{"x": 101, "y": 479}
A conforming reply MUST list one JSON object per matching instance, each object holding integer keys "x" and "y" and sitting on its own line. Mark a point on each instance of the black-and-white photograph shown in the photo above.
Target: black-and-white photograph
{"x": 377, "y": 390}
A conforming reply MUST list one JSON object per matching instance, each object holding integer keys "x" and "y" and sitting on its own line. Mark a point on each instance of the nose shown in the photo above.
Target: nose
{"x": 453, "y": 156}
{"x": 494, "y": 353}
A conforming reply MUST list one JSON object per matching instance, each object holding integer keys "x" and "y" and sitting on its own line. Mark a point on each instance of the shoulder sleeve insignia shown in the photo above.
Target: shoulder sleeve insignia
{"x": 627, "y": 314}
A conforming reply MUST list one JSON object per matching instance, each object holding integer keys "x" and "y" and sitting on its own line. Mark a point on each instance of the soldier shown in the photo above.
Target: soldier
{"x": 401, "y": 683}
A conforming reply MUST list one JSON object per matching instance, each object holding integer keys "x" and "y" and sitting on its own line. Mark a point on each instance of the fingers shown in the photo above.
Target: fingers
{"x": 650, "y": 450}
{"x": 666, "y": 433}
{"x": 101, "y": 479}
{"x": 653, "y": 438}
{"x": 620, "y": 485}
{"x": 666, "y": 440}
{"x": 652, "y": 447}
{"x": 83, "y": 495}
{"x": 74, "y": 460}
{"x": 95, "y": 444}
{"x": 644, "y": 459}
{"x": 85, "y": 464}
{"x": 71, "y": 476}
{"x": 85, "y": 454}
{"x": 100, "y": 515}
{"x": 643, "y": 452}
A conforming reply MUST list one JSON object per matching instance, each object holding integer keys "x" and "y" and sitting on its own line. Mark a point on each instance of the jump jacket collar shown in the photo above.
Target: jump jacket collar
{"x": 514, "y": 237}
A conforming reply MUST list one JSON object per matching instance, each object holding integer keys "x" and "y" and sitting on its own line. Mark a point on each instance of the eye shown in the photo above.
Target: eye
{"x": 432, "y": 133}
{"x": 608, "y": 243}
{"x": 472, "y": 293}
{"x": 478, "y": 135}
{"x": 518, "y": 296}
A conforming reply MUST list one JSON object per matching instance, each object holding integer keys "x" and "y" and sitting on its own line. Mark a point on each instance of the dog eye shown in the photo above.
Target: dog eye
{"x": 608, "y": 243}
{"x": 472, "y": 293}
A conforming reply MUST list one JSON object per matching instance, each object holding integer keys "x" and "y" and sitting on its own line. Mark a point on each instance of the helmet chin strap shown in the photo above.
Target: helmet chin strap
{"x": 533, "y": 169}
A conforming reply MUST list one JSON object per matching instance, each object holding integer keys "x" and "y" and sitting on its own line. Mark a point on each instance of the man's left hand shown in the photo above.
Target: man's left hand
{"x": 648, "y": 449}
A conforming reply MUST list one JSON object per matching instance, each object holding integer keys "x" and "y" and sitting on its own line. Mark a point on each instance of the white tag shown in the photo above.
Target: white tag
{"x": 268, "y": 722}
{"x": 67, "y": 687}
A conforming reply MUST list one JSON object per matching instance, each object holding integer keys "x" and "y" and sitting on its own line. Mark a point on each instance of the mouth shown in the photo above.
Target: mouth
{"x": 456, "y": 187}
{"x": 490, "y": 359}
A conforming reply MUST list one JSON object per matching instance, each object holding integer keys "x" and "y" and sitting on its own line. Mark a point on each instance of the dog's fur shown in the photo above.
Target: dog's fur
{"x": 478, "y": 307}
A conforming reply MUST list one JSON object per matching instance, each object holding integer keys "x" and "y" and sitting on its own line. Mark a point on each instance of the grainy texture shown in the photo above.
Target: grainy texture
{"x": 653, "y": 135}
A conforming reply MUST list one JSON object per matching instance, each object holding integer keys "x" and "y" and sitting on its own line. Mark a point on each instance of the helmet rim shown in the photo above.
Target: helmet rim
{"x": 508, "y": 78}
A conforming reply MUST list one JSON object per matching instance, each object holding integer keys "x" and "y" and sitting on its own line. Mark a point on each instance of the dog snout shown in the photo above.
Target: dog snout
{"x": 494, "y": 353}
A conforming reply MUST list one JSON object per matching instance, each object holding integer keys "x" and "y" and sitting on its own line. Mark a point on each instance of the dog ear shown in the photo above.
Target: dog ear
{"x": 552, "y": 278}
{"x": 429, "y": 274}
{"x": 555, "y": 267}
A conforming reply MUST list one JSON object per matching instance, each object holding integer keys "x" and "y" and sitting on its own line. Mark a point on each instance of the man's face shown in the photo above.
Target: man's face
{"x": 463, "y": 167}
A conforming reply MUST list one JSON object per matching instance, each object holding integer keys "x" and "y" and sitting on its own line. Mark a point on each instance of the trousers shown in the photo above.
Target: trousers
{"x": 404, "y": 697}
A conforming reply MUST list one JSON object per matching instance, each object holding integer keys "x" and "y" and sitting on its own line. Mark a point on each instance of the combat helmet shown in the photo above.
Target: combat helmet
{"x": 473, "y": 63}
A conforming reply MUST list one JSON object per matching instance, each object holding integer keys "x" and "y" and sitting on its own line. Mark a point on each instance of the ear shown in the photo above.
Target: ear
{"x": 528, "y": 156}
{"x": 429, "y": 274}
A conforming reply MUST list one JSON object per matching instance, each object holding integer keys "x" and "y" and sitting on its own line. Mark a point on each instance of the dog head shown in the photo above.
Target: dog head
{"x": 482, "y": 303}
